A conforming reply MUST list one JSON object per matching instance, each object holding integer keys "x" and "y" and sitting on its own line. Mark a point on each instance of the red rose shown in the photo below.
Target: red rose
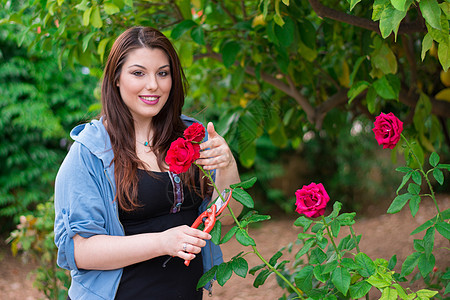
{"x": 387, "y": 130}
{"x": 181, "y": 155}
{"x": 312, "y": 200}
{"x": 195, "y": 133}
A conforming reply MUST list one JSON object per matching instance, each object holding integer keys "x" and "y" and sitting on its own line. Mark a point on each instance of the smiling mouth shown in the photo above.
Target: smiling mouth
{"x": 149, "y": 99}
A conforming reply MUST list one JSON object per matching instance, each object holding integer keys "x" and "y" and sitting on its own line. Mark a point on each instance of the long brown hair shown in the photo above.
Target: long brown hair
{"x": 167, "y": 124}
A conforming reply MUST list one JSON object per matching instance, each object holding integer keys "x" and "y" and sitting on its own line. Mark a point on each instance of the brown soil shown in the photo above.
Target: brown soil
{"x": 383, "y": 235}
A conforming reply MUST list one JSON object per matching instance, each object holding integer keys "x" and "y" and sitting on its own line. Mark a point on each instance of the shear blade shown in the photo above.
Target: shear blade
{"x": 219, "y": 202}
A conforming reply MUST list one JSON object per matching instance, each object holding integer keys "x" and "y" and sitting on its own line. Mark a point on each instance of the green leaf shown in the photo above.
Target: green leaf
{"x": 229, "y": 234}
{"x": 405, "y": 179}
{"x": 404, "y": 169}
{"x": 244, "y": 239}
{"x": 410, "y": 263}
{"x": 414, "y": 189}
{"x": 308, "y": 244}
{"x": 353, "y": 3}
{"x": 258, "y": 218}
{"x": 424, "y": 226}
{"x": 444, "y": 166}
{"x": 398, "y": 4}
{"x": 261, "y": 278}
{"x": 426, "y": 264}
{"x": 335, "y": 227}
{"x": 86, "y": 16}
{"x": 416, "y": 177}
{"x": 398, "y": 203}
{"x": 330, "y": 266}
{"x": 444, "y": 229}
{"x": 243, "y": 197}
{"x": 392, "y": 262}
{"x": 427, "y": 43}
{"x": 439, "y": 176}
{"x": 341, "y": 279}
{"x": 390, "y": 21}
{"x": 419, "y": 246}
{"x": 319, "y": 274}
{"x": 240, "y": 267}
{"x": 346, "y": 219}
{"x": 444, "y": 55}
{"x": 434, "y": 159}
{"x": 336, "y": 209}
{"x": 111, "y": 8}
{"x": 198, "y": 35}
{"x": 86, "y": 40}
{"x": 229, "y": 52}
{"x": 431, "y": 12}
{"x": 285, "y": 33}
{"x": 181, "y": 28}
{"x": 245, "y": 184}
{"x": 428, "y": 241}
{"x": 224, "y": 273}
{"x": 414, "y": 204}
{"x": 425, "y": 294}
{"x": 102, "y": 47}
{"x": 359, "y": 289}
{"x": 317, "y": 256}
{"x": 357, "y": 89}
{"x": 389, "y": 294}
{"x": 216, "y": 233}
{"x": 96, "y": 20}
{"x": 304, "y": 222}
{"x": 207, "y": 277}
{"x": 388, "y": 87}
{"x": 256, "y": 269}
{"x": 365, "y": 262}
{"x": 273, "y": 260}
{"x": 303, "y": 279}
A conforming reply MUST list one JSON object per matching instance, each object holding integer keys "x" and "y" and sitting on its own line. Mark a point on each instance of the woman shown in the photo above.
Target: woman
{"x": 118, "y": 212}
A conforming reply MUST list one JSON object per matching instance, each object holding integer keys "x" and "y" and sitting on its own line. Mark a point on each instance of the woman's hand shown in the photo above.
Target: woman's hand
{"x": 184, "y": 241}
{"x": 215, "y": 153}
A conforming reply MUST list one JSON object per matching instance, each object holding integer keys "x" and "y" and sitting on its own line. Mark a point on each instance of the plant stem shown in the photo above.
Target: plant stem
{"x": 354, "y": 237}
{"x": 299, "y": 293}
{"x": 424, "y": 175}
{"x": 332, "y": 240}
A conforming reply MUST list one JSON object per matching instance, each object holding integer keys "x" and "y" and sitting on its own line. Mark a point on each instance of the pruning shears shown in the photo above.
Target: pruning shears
{"x": 209, "y": 215}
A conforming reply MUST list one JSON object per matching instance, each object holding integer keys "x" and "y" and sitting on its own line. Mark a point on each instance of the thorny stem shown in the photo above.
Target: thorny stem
{"x": 332, "y": 240}
{"x": 424, "y": 175}
{"x": 299, "y": 293}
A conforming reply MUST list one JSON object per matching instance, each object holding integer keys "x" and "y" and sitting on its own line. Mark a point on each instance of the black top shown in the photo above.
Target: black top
{"x": 151, "y": 279}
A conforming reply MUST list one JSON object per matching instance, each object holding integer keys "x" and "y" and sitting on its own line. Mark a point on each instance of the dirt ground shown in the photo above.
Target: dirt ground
{"x": 383, "y": 235}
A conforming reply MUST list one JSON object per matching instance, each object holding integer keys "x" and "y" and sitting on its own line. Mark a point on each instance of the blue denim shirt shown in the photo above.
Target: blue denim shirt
{"x": 84, "y": 205}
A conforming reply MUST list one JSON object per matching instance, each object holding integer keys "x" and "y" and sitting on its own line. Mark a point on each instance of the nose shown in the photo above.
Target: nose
{"x": 152, "y": 83}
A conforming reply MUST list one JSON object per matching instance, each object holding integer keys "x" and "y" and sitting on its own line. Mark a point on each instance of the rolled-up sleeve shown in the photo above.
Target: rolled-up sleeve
{"x": 79, "y": 202}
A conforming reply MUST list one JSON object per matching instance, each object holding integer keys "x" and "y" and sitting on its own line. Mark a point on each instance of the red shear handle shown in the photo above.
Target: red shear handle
{"x": 210, "y": 214}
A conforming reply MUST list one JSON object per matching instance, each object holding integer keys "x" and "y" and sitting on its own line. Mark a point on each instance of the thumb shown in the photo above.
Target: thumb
{"x": 211, "y": 131}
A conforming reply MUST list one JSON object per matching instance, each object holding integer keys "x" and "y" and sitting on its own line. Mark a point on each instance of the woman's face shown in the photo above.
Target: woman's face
{"x": 145, "y": 82}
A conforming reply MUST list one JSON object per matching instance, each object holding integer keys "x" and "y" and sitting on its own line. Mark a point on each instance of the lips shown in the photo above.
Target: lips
{"x": 151, "y": 100}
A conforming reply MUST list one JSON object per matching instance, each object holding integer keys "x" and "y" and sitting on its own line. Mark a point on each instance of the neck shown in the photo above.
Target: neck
{"x": 143, "y": 132}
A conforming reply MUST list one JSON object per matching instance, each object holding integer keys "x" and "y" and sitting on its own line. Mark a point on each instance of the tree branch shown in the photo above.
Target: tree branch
{"x": 438, "y": 108}
{"x": 222, "y": 5}
{"x": 326, "y": 12}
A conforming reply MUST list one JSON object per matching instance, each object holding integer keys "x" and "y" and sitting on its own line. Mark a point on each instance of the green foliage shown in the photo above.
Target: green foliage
{"x": 39, "y": 106}
{"x": 290, "y": 53}
{"x": 34, "y": 240}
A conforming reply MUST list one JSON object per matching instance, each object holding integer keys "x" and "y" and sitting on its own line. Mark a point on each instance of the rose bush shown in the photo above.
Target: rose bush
{"x": 312, "y": 200}
{"x": 325, "y": 269}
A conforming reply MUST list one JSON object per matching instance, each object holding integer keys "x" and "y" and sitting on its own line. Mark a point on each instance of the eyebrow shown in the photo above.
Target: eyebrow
{"x": 142, "y": 67}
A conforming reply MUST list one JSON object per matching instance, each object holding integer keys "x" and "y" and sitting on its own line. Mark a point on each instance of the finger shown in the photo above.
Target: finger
{"x": 211, "y": 131}
{"x": 185, "y": 255}
{"x": 193, "y": 249}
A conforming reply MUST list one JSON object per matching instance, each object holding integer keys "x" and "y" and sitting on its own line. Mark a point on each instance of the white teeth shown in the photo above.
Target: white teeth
{"x": 149, "y": 98}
